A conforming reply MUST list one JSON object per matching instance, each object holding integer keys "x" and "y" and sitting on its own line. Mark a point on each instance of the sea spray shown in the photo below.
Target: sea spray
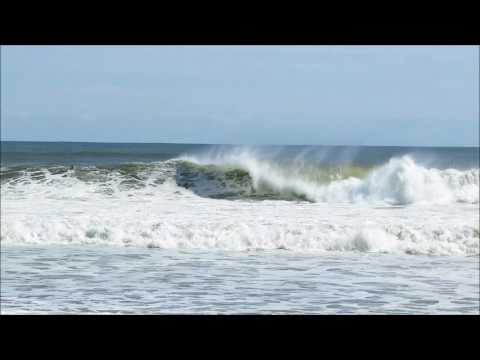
{"x": 244, "y": 201}
{"x": 399, "y": 181}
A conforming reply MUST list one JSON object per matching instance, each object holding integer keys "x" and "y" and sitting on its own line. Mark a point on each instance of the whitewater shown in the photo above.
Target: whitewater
{"x": 233, "y": 213}
{"x": 397, "y": 207}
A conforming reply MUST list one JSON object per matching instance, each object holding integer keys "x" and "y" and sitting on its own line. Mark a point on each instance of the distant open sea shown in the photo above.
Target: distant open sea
{"x": 184, "y": 228}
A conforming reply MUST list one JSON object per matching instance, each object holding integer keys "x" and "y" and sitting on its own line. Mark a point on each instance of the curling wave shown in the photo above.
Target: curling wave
{"x": 401, "y": 181}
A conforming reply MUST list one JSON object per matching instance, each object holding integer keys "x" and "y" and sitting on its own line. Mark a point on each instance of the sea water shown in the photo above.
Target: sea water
{"x": 176, "y": 228}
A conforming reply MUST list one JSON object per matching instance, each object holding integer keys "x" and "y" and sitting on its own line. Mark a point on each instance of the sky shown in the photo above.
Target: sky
{"x": 304, "y": 95}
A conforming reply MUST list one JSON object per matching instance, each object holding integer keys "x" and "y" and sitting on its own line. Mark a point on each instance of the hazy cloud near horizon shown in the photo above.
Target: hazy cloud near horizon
{"x": 350, "y": 95}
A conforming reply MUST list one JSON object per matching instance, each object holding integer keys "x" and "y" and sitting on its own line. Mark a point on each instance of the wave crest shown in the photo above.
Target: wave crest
{"x": 401, "y": 181}
{"x": 243, "y": 175}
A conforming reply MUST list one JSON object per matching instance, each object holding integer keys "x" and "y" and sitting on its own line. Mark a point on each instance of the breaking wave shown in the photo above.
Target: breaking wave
{"x": 401, "y": 181}
{"x": 305, "y": 205}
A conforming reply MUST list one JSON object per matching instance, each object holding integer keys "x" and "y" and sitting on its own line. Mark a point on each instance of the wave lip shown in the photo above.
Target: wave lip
{"x": 400, "y": 181}
{"x": 168, "y": 204}
{"x": 244, "y": 175}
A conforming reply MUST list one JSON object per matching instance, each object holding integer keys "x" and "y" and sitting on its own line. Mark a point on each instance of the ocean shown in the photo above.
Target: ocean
{"x": 224, "y": 229}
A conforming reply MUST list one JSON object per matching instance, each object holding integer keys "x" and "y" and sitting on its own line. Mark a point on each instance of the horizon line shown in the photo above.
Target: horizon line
{"x": 230, "y": 144}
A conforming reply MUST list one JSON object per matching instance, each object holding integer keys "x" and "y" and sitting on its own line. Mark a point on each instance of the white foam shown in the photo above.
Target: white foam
{"x": 442, "y": 217}
{"x": 400, "y": 181}
{"x": 186, "y": 221}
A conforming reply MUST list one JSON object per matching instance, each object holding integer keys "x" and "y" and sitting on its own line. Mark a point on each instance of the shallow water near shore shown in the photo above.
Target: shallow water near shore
{"x": 125, "y": 280}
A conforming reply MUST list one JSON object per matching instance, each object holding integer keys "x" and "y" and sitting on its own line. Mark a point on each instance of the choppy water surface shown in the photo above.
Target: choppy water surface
{"x": 93, "y": 279}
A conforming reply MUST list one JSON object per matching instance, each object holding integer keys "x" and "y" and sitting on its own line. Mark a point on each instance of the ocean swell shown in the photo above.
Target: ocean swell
{"x": 212, "y": 202}
{"x": 400, "y": 181}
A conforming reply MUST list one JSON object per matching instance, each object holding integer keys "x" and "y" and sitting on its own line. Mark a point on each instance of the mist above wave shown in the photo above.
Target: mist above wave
{"x": 400, "y": 181}
{"x": 168, "y": 204}
{"x": 244, "y": 174}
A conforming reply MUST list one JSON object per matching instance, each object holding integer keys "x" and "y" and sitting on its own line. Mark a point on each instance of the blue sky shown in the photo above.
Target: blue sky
{"x": 330, "y": 95}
